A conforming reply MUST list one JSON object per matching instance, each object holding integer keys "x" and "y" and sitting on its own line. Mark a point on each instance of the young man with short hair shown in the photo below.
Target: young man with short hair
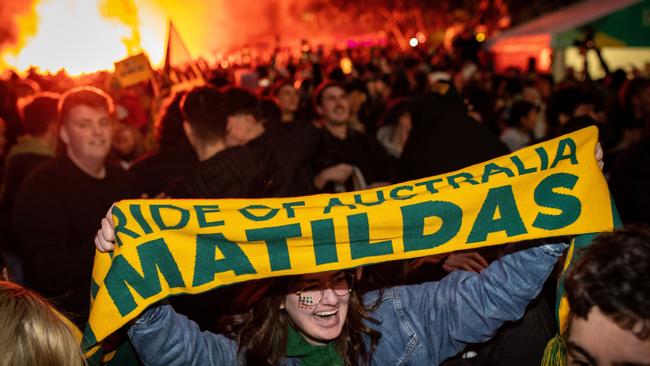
{"x": 219, "y": 124}
{"x": 342, "y": 150}
{"x": 609, "y": 294}
{"x": 57, "y": 204}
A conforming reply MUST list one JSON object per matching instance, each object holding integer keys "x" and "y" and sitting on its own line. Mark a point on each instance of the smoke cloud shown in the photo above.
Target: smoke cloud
{"x": 221, "y": 26}
{"x": 13, "y": 13}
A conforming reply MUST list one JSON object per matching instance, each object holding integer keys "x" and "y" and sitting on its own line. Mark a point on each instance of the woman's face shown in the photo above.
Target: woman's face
{"x": 323, "y": 321}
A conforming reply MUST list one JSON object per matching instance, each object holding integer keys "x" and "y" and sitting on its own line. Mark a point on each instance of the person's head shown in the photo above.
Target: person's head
{"x": 287, "y": 97}
{"x": 331, "y": 103}
{"x": 357, "y": 95}
{"x": 271, "y": 114}
{"x": 244, "y": 115}
{"x": 31, "y": 333}
{"x": 317, "y": 305}
{"x": 609, "y": 295}
{"x": 523, "y": 115}
{"x": 85, "y": 122}
{"x": 228, "y": 117}
{"x": 398, "y": 113}
{"x": 128, "y": 142}
{"x": 636, "y": 93}
{"x": 26, "y": 87}
{"x": 568, "y": 103}
{"x": 531, "y": 94}
{"x": 169, "y": 125}
{"x": 39, "y": 113}
{"x": 322, "y": 307}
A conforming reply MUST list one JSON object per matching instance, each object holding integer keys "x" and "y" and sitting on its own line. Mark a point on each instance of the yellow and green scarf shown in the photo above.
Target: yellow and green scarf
{"x": 168, "y": 247}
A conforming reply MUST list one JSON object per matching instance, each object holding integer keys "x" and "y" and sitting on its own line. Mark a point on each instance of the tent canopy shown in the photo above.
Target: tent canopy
{"x": 615, "y": 22}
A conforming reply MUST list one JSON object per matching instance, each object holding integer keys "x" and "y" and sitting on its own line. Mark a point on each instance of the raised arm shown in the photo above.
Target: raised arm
{"x": 468, "y": 307}
{"x": 160, "y": 336}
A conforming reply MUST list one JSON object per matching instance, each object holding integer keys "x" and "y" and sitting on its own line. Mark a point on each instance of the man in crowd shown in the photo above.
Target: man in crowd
{"x": 287, "y": 98}
{"x": 217, "y": 125}
{"x": 57, "y": 205}
{"x": 342, "y": 151}
{"x": 38, "y": 115}
{"x": 609, "y": 295}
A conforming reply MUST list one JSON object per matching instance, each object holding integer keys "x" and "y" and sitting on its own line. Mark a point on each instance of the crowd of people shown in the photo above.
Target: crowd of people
{"x": 69, "y": 148}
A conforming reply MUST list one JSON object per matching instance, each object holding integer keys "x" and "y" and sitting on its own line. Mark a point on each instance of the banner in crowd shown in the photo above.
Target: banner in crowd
{"x": 133, "y": 70}
{"x": 167, "y": 247}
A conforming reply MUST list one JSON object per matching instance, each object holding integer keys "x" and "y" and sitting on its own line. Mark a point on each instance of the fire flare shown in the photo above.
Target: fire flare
{"x": 82, "y": 36}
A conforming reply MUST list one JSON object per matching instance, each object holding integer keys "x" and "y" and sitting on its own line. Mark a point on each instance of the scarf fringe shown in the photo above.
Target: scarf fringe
{"x": 555, "y": 352}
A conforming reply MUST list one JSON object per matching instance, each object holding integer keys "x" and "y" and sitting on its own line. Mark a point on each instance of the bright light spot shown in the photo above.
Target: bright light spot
{"x": 75, "y": 35}
{"x": 346, "y": 65}
{"x": 224, "y": 64}
{"x": 480, "y": 37}
{"x": 421, "y": 37}
{"x": 545, "y": 59}
{"x": 413, "y": 42}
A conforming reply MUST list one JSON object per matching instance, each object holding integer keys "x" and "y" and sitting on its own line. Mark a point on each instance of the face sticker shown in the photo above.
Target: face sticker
{"x": 305, "y": 302}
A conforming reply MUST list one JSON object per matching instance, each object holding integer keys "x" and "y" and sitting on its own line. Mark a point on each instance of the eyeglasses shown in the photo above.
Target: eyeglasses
{"x": 312, "y": 295}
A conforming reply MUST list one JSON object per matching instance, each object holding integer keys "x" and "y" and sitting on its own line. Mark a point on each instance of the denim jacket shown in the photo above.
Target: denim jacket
{"x": 420, "y": 324}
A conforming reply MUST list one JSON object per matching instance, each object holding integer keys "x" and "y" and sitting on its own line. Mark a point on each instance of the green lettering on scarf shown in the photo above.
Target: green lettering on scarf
{"x": 413, "y": 223}
{"x": 322, "y": 232}
{"x": 360, "y": 245}
{"x": 234, "y": 259}
{"x": 560, "y": 155}
{"x": 545, "y": 197}
{"x": 154, "y": 257}
{"x": 501, "y": 200}
{"x": 276, "y": 243}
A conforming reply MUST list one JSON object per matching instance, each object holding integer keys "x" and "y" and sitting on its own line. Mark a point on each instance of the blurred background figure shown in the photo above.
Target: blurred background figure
{"x": 33, "y": 333}
{"x": 521, "y": 124}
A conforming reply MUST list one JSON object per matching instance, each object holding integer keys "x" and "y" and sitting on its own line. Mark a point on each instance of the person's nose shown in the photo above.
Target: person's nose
{"x": 96, "y": 128}
{"x": 329, "y": 297}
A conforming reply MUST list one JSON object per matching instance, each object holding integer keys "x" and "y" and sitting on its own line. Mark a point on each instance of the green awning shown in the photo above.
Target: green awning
{"x": 629, "y": 26}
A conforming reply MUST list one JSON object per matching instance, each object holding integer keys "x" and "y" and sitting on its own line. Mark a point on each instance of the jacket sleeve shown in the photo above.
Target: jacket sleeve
{"x": 468, "y": 307}
{"x": 160, "y": 336}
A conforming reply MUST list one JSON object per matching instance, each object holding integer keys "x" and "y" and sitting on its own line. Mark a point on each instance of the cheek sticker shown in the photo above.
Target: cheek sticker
{"x": 305, "y": 302}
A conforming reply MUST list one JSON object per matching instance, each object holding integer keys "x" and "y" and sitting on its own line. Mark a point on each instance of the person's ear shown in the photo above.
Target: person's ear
{"x": 189, "y": 132}
{"x": 229, "y": 122}
{"x": 63, "y": 134}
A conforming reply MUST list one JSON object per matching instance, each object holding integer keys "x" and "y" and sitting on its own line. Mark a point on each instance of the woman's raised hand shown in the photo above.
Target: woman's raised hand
{"x": 105, "y": 238}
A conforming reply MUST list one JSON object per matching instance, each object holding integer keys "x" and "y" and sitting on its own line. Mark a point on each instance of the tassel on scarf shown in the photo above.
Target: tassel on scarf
{"x": 555, "y": 352}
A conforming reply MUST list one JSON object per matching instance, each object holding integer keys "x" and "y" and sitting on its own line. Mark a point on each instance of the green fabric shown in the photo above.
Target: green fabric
{"x": 555, "y": 353}
{"x": 310, "y": 355}
{"x": 29, "y": 145}
{"x": 630, "y": 26}
{"x": 124, "y": 355}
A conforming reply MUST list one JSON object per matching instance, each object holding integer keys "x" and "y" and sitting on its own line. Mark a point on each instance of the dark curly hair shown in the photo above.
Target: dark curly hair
{"x": 612, "y": 274}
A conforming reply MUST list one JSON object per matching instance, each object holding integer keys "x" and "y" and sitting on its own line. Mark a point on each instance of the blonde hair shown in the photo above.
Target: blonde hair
{"x": 31, "y": 332}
